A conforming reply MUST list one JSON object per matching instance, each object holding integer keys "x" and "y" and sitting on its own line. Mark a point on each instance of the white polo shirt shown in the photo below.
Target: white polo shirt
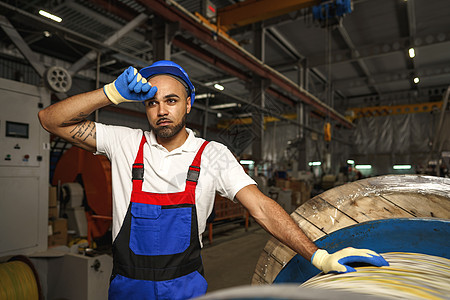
{"x": 165, "y": 172}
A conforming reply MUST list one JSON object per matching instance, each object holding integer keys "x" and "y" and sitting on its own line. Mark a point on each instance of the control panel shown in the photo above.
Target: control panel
{"x": 19, "y": 131}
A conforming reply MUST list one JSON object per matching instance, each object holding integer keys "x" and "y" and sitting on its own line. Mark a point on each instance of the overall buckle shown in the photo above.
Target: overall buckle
{"x": 193, "y": 174}
{"x": 137, "y": 173}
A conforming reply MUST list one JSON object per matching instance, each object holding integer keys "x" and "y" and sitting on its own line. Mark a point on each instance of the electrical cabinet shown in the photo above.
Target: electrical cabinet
{"x": 24, "y": 169}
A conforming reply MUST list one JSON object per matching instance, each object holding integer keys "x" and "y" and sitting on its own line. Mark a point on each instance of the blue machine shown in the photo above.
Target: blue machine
{"x": 415, "y": 235}
{"x": 331, "y": 9}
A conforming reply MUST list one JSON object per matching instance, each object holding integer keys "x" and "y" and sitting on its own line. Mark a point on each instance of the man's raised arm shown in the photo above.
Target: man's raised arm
{"x": 67, "y": 118}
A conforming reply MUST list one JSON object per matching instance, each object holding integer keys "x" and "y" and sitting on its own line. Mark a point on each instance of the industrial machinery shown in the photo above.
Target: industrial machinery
{"x": 24, "y": 164}
{"x": 377, "y": 198}
{"x": 407, "y": 214}
{"x": 24, "y": 206}
{"x": 82, "y": 173}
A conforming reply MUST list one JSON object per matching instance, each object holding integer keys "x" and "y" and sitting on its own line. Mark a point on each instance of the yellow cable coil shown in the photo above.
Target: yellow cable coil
{"x": 408, "y": 276}
{"x": 17, "y": 281}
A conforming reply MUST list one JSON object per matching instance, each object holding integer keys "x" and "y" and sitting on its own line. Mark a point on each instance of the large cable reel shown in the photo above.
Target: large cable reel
{"x": 58, "y": 79}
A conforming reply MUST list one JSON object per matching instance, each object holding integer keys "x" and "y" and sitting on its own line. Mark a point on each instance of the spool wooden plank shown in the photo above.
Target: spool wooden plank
{"x": 310, "y": 230}
{"x": 283, "y": 253}
{"x": 392, "y": 196}
{"x": 276, "y": 255}
{"x": 420, "y": 205}
{"x": 323, "y": 215}
{"x": 371, "y": 208}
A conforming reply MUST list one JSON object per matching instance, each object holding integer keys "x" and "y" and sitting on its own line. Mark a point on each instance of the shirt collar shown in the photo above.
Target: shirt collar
{"x": 188, "y": 146}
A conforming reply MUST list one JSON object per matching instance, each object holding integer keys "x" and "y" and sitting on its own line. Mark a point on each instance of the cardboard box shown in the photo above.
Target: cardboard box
{"x": 282, "y": 183}
{"x": 298, "y": 198}
{"x": 59, "y": 232}
{"x": 53, "y": 212}
{"x": 52, "y": 196}
{"x": 301, "y": 186}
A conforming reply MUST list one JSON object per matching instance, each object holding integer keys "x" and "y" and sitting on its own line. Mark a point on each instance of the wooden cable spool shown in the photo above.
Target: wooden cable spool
{"x": 383, "y": 197}
{"x": 408, "y": 276}
{"x": 19, "y": 280}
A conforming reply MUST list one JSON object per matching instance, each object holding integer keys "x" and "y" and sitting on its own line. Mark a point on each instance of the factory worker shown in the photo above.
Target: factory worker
{"x": 164, "y": 182}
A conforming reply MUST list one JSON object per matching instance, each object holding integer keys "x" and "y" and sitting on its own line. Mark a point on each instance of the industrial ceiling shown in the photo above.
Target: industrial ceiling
{"x": 359, "y": 60}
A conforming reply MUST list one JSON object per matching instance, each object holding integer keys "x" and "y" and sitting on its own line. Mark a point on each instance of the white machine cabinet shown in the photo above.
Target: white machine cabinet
{"x": 24, "y": 169}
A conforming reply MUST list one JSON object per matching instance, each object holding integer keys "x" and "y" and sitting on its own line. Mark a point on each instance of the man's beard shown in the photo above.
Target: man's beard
{"x": 169, "y": 131}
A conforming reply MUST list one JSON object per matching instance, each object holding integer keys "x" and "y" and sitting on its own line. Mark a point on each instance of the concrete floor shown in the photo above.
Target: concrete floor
{"x": 231, "y": 259}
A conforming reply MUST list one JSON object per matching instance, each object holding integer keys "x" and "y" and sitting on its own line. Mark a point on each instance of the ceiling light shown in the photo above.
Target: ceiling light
{"x": 50, "y": 16}
{"x": 350, "y": 162}
{"x": 412, "y": 53}
{"x": 402, "y": 167}
{"x": 204, "y": 96}
{"x": 363, "y": 167}
{"x": 219, "y": 87}
{"x": 247, "y": 162}
{"x": 416, "y": 80}
{"x": 314, "y": 163}
{"x": 222, "y": 106}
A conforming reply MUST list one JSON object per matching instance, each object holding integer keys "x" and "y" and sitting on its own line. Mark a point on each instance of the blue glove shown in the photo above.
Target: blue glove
{"x": 130, "y": 86}
{"x": 338, "y": 261}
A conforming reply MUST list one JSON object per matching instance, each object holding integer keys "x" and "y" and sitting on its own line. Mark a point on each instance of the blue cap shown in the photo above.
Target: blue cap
{"x": 169, "y": 67}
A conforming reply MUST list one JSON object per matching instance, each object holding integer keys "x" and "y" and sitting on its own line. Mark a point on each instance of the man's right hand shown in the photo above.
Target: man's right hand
{"x": 130, "y": 86}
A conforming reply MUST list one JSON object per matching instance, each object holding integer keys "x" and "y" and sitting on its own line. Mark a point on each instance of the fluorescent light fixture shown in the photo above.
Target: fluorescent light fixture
{"x": 350, "y": 162}
{"x": 402, "y": 167}
{"x": 247, "y": 162}
{"x": 219, "y": 87}
{"x": 50, "y": 16}
{"x": 363, "y": 167}
{"x": 204, "y": 96}
{"x": 222, "y": 106}
{"x": 416, "y": 80}
{"x": 411, "y": 52}
{"x": 314, "y": 163}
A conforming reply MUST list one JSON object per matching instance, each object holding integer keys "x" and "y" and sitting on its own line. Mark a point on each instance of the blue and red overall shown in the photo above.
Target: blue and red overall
{"x": 157, "y": 251}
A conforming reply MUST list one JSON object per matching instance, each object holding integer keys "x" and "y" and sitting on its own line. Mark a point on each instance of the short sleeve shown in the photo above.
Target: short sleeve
{"x": 230, "y": 175}
{"x": 110, "y": 138}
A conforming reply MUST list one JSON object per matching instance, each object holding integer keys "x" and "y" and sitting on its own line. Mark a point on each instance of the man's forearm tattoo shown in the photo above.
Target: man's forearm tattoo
{"x": 81, "y": 117}
{"x": 84, "y": 130}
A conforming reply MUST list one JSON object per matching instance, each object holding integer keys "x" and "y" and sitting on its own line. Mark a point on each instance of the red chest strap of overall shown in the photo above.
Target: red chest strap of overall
{"x": 194, "y": 168}
{"x": 137, "y": 173}
{"x": 138, "y": 168}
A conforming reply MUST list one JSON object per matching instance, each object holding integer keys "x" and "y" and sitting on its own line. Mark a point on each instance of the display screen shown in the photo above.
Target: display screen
{"x": 14, "y": 129}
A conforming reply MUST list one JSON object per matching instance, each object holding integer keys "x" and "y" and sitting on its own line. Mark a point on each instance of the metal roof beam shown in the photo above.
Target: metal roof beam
{"x": 176, "y": 13}
{"x": 70, "y": 34}
{"x": 378, "y": 50}
{"x": 287, "y": 47}
{"x": 390, "y": 77}
{"x": 412, "y": 34}
{"x": 91, "y": 55}
{"x": 23, "y": 47}
{"x": 405, "y": 96}
{"x": 252, "y": 11}
{"x": 343, "y": 32}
